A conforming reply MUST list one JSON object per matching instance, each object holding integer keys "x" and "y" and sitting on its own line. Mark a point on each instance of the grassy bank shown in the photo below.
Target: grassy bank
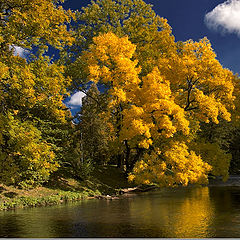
{"x": 104, "y": 181}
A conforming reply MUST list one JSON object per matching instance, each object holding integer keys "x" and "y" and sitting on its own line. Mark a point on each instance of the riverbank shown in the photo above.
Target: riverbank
{"x": 105, "y": 181}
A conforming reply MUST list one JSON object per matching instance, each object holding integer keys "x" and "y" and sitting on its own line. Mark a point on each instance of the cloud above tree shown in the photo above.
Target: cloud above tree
{"x": 20, "y": 51}
{"x": 225, "y": 17}
{"x": 76, "y": 99}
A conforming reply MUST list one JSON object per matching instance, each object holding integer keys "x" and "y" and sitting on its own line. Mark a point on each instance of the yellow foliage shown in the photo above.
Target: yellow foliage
{"x": 175, "y": 166}
{"x": 30, "y": 160}
{"x": 31, "y": 89}
{"x": 24, "y": 85}
{"x": 214, "y": 156}
{"x": 147, "y": 109}
{"x": 199, "y": 82}
{"x": 183, "y": 89}
{"x": 37, "y": 22}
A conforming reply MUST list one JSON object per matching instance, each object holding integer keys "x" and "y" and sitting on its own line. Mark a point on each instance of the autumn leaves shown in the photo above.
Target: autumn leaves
{"x": 157, "y": 109}
{"x": 158, "y": 93}
{"x": 31, "y": 90}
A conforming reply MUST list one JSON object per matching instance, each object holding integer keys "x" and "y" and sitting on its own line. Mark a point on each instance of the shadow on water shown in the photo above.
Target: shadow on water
{"x": 226, "y": 201}
{"x": 181, "y": 213}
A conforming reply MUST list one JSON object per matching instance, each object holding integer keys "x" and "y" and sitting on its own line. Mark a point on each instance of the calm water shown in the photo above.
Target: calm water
{"x": 183, "y": 212}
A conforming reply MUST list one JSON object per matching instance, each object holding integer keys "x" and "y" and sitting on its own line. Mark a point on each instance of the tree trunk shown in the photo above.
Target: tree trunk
{"x": 136, "y": 158}
{"x": 127, "y": 156}
{"x": 119, "y": 161}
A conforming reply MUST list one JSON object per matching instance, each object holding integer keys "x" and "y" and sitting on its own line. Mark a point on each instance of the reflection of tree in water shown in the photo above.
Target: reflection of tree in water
{"x": 195, "y": 216}
{"x": 225, "y": 199}
{"x": 181, "y": 212}
{"x": 176, "y": 213}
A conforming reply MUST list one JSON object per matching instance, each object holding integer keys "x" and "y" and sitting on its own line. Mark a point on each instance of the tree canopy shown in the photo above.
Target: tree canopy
{"x": 156, "y": 110}
{"x": 31, "y": 89}
{"x": 164, "y": 109}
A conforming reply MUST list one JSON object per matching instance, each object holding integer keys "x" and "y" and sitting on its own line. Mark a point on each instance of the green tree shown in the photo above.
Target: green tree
{"x": 94, "y": 132}
{"x": 27, "y": 23}
{"x": 25, "y": 158}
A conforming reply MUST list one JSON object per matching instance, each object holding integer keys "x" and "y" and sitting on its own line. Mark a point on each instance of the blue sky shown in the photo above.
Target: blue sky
{"x": 186, "y": 17}
{"x": 219, "y": 21}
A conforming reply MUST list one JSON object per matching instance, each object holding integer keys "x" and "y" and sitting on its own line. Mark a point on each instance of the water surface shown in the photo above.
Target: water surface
{"x": 181, "y": 213}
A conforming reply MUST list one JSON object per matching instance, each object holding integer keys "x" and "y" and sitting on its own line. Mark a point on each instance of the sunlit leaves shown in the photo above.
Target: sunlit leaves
{"x": 158, "y": 93}
{"x": 31, "y": 89}
{"x": 199, "y": 81}
{"x": 28, "y": 160}
{"x": 27, "y": 85}
{"x": 176, "y": 166}
{"x": 168, "y": 103}
{"x": 26, "y": 23}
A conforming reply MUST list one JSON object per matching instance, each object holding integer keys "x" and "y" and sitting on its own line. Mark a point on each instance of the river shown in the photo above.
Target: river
{"x": 191, "y": 212}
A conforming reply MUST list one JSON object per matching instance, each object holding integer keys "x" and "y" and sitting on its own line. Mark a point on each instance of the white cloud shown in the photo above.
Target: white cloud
{"x": 76, "y": 99}
{"x": 225, "y": 17}
{"x": 19, "y": 51}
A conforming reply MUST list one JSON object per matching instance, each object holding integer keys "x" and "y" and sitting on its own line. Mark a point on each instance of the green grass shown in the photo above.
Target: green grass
{"x": 105, "y": 180}
{"x": 30, "y": 201}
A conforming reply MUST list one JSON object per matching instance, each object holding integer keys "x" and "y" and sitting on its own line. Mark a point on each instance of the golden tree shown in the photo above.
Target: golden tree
{"x": 161, "y": 111}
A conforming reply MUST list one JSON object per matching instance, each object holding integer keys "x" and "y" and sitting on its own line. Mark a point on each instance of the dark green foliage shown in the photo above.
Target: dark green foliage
{"x": 59, "y": 135}
{"x": 93, "y": 130}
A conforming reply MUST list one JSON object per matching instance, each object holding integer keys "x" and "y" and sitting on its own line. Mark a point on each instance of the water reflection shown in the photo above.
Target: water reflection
{"x": 182, "y": 212}
{"x": 195, "y": 215}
